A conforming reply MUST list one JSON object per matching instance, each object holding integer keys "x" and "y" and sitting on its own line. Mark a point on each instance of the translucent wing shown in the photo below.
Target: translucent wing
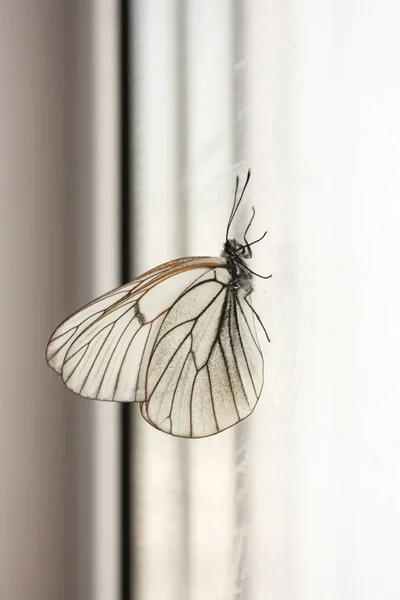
{"x": 205, "y": 371}
{"x": 102, "y": 351}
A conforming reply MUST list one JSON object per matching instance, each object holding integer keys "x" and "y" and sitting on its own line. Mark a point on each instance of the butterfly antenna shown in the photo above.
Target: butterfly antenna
{"x": 237, "y": 204}
{"x": 233, "y": 207}
{"x": 248, "y": 226}
{"x": 247, "y": 245}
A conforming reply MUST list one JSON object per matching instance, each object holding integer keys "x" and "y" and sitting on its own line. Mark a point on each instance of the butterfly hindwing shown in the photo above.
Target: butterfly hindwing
{"x": 200, "y": 380}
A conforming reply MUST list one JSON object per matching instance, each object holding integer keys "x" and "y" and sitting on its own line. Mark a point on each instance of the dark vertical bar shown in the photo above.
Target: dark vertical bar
{"x": 126, "y": 275}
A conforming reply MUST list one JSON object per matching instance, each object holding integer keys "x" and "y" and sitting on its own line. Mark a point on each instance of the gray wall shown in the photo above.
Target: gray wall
{"x": 36, "y": 421}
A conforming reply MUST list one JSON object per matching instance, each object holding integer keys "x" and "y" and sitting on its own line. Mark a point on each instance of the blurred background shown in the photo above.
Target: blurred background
{"x": 122, "y": 128}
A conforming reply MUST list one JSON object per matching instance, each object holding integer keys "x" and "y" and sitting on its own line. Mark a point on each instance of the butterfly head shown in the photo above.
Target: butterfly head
{"x": 237, "y": 250}
{"x": 236, "y": 253}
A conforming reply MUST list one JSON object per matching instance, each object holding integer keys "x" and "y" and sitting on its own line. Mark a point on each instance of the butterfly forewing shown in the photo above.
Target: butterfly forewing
{"x": 64, "y": 336}
{"x": 102, "y": 350}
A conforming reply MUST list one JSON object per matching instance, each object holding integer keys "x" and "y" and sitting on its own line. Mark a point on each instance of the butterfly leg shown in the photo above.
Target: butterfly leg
{"x": 256, "y": 314}
{"x": 247, "y": 229}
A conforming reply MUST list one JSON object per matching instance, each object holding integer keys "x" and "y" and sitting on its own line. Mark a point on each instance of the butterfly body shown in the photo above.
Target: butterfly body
{"x": 241, "y": 277}
{"x": 181, "y": 340}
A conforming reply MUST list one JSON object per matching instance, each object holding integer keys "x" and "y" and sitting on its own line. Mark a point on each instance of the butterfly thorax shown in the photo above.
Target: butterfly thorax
{"x": 235, "y": 254}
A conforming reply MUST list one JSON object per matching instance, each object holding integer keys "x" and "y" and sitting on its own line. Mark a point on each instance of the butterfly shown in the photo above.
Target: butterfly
{"x": 181, "y": 340}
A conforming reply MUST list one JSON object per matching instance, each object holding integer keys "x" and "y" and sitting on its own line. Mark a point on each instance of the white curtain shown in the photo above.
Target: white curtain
{"x": 300, "y": 502}
{"x": 314, "y": 475}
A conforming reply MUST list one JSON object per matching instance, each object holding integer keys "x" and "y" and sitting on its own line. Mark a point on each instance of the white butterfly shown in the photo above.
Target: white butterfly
{"x": 180, "y": 339}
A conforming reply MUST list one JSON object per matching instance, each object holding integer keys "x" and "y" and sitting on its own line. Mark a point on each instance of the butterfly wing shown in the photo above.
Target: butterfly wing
{"x": 205, "y": 371}
{"x": 102, "y": 351}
